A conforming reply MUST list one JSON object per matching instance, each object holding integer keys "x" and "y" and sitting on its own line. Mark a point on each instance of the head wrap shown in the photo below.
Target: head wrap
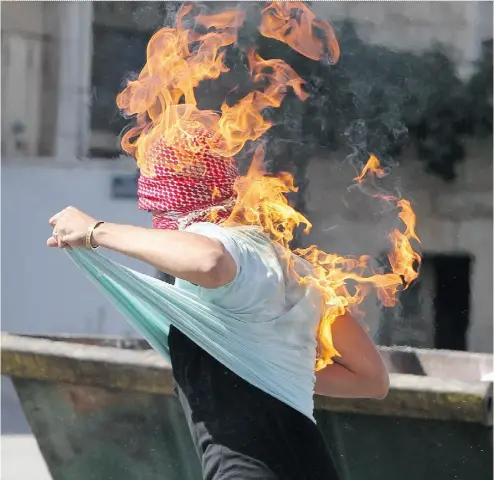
{"x": 186, "y": 182}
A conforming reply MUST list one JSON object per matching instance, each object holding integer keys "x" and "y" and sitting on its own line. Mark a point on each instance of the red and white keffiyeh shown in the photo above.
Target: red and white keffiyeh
{"x": 188, "y": 181}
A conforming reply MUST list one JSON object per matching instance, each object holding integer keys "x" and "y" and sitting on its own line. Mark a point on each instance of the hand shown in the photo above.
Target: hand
{"x": 70, "y": 227}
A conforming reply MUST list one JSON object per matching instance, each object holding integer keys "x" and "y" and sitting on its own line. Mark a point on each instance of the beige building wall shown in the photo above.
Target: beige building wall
{"x": 413, "y": 25}
{"x": 23, "y": 40}
{"x": 46, "y": 71}
{"x": 451, "y": 218}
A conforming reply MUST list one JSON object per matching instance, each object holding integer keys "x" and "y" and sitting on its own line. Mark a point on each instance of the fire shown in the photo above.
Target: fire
{"x": 373, "y": 167}
{"x": 164, "y": 105}
{"x": 261, "y": 200}
{"x": 244, "y": 121}
{"x": 344, "y": 282}
{"x": 216, "y": 192}
{"x": 162, "y": 98}
{"x": 294, "y": 24}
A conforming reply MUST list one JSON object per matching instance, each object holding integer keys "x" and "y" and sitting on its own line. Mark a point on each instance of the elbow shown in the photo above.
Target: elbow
{"x": 380, "y": 386}
{"x": 218, "y": 268}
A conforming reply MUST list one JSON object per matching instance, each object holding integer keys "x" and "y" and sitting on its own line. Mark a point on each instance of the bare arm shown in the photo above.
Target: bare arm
{"x": 189, "y": 256}
{"x": 360, "y": 371}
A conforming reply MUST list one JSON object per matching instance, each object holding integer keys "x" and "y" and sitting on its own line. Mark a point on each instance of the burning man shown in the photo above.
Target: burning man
{"x": 251, "y": 329}
{"x": 241, "y": 429}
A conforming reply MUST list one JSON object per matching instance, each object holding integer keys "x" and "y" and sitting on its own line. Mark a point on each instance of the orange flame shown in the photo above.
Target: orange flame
{"x": 261, "y": 201}
{"x": 162, "y": 98}
{"x": 344, "y": 282}
{"x": 294, "y": 24}
{"x": 216, "y": 192}
{"x": 163, "y": 101}
{"x": 372, "y": 167}
{"x": 244, "y": 121}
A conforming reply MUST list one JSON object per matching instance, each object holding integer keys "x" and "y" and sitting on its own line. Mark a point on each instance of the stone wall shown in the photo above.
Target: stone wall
{"x": 452, "y": 218}
{"x": 50, "y": 93}
{"x": 46, "y": 57}
{"x": 23, "y": 40}
{"x": 459, "y": 26}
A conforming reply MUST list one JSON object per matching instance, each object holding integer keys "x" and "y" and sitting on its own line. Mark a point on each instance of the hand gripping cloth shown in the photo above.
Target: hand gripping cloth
{"x": 275, "y": 353}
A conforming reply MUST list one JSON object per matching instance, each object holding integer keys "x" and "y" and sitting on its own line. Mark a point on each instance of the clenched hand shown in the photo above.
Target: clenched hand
{"x": 70, "y": 227}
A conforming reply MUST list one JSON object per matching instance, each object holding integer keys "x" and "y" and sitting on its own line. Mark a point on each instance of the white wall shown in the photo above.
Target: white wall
{"x": 42, "y": 291}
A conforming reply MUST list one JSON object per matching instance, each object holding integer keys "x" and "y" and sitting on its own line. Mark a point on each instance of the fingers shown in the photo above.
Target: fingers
{"x": 58, "y": 238}
{"x": 51, "y": 242}
{"x": 63, "y": 241}
{"x": 53, "y": 220}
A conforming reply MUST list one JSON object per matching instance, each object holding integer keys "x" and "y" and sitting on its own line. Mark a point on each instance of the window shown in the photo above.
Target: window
{"x": 121, "y": 31}
{"x": 451, "y": 301}
{"x": 434, "y": 311}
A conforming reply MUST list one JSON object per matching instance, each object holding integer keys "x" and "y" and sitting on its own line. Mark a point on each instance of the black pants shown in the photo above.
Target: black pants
{"x": 239, "y": 431}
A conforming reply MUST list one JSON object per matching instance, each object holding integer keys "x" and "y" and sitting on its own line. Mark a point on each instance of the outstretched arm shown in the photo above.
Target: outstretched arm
{"x": 195, "y": 258}
{"x": 360, "y": 371}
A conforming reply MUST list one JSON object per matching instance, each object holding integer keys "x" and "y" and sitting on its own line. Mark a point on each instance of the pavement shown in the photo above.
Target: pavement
{"x": 21, "y": 458}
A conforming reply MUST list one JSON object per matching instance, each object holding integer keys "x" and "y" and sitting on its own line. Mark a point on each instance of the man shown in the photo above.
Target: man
{"x": 239, "y": 430}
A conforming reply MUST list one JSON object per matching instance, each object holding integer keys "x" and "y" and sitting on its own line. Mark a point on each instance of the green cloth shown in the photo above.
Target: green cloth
{"x": 274, "y": 349}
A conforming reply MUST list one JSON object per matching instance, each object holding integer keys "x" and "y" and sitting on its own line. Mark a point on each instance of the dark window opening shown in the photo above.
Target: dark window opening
{"x": 434, "y": 312}
{"x": 451, "y": 301}
{"x": 121, "y": 32}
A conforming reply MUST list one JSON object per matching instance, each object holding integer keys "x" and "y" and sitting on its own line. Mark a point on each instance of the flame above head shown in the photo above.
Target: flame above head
{"x": 163, "y": 102}
{"x": 294, "y": 24}
{"x": 162, "y": 98}
{"x": 244, "y": 121}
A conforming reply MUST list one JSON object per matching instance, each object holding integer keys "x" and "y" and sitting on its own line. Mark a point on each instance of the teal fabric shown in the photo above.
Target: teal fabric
{"x": 262, "y": 326}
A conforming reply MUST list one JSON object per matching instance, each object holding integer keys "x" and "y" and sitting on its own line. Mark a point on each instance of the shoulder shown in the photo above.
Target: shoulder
{"x": 238, "y": 240}
{"x": 203, "y": 228}
{"x": 213, "y": 229}
{"x": 258, "y": 269}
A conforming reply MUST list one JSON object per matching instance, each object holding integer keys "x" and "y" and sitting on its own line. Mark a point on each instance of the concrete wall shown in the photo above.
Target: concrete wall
{"x": 46, "y": 78}
{"x": 47, "y": 89}
{"x": 458, "y": 26}
{"x": 451, "y": 218}
{"x": 42, "y": 291}
{"x": 23, "y": 39}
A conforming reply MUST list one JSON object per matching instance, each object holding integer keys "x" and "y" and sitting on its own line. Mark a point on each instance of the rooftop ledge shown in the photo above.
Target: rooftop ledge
{"x": 120, "y": 164}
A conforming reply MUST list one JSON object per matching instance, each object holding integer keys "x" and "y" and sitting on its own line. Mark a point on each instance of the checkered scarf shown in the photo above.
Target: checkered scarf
{"x": 188, "y": 182}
